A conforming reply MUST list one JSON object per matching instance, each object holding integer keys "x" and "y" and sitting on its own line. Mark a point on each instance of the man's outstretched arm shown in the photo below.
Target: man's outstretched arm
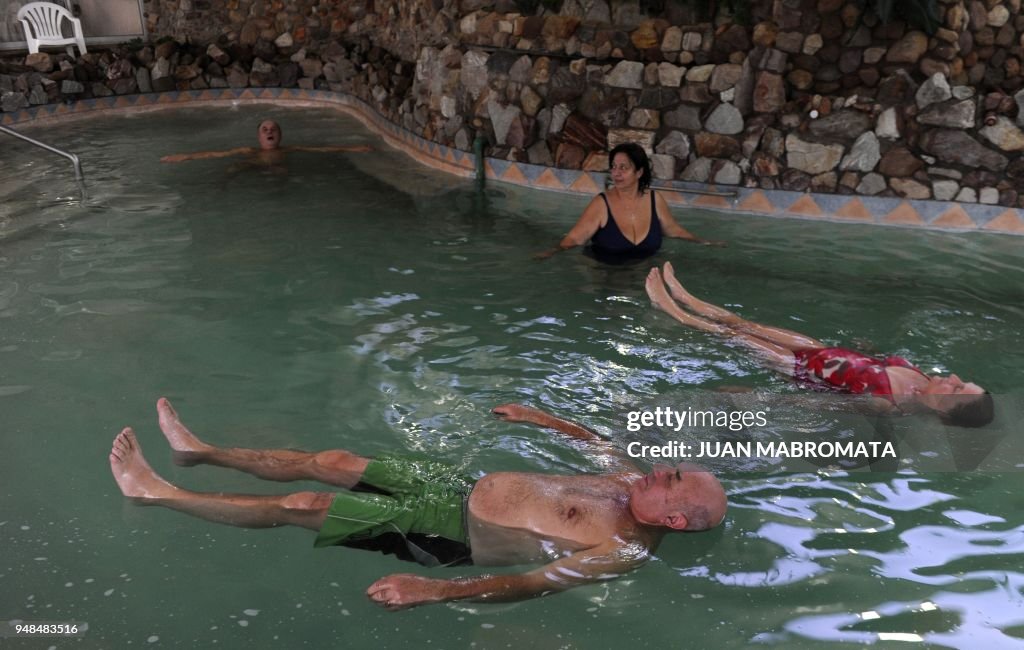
{"x": 520, "y": 413}
{"x": 206, "y": 155}
{"x": 613, "y": 455}
{"x": 605, "y": 562}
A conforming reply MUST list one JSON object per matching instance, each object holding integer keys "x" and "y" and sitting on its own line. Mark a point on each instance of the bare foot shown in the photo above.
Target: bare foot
{"x": 704, "y": 309}
{"x": 660, "y": 298}
{"x": 131, "y": 471}
{"x": 674, "y": 286}
{"x": 186, "y": 448}
{"x": 656, "y": 290}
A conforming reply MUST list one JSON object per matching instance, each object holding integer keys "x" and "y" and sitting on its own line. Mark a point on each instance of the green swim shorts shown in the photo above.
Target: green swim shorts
{"x": 418, "y": 513}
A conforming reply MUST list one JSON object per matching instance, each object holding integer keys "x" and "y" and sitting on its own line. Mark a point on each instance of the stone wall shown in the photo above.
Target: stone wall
{"x": 812, "y": 94}
{"x": 400, "y": 26}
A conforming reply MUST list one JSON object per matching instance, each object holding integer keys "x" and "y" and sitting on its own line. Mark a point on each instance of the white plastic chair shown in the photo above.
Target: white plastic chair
{"x": 42, "y": 22}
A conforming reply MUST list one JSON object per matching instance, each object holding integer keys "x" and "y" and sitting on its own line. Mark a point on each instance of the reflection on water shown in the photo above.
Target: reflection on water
{"x": 366, "y": 303}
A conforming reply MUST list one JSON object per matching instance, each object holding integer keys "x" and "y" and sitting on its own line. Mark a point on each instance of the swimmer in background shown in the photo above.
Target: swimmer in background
{"x": 270, "y": 154}
{"x": 629, "y": 221}
{"x": 895, "y": 385}
{"x": 582, "y": 528}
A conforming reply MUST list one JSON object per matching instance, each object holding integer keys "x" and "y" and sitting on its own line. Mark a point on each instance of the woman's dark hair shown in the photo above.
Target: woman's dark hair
{"x": 975, "y": 413}
{"x": 638, "y": 157}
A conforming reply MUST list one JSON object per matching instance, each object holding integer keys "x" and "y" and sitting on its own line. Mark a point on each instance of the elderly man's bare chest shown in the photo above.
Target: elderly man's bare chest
{"x": 587, "y": 510}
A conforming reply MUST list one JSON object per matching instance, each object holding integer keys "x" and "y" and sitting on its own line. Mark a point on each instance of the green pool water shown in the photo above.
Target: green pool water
{"x": 364, "y": 302}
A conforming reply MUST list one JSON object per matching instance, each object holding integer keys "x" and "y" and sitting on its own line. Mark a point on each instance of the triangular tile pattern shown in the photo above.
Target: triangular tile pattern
{"x": 548, "y": 180}
{"x": 855, "y": 211}
{"x": 982, "y": 214}
{"x": 756, "y": 201}
{"x": 531, "y": 172}
{"x": 706, "y": 201}
{"x": 514, "y": 175}
{"x": 904, "y": 215}
{"x": 805, "y": 207}
{"x": 496, "y": 168}
{"x": 955, "y": 217}
{"x": 929, "y": 211}
{"x": 1009, "y": 221}
{"x": 464, "y": 159}
{"x": 570, "y": 176}
{"x": 782, "y": 199}
{"x": 585, "y": 184}
{"x": 830, "y": 203}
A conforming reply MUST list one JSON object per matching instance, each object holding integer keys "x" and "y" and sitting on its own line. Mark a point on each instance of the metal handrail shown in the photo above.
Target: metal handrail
{"x": 663, "y": 187}
{"x": 729, "y": 194}
{"x": 70, "y": 156}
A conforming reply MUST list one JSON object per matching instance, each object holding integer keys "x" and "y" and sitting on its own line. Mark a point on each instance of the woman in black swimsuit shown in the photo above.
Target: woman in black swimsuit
{"x": 629, "y": 221}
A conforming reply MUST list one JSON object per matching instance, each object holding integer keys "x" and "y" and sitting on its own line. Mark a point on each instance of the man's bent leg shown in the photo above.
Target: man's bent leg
{"x": 335, "y": 467}
{"x": 138, "y": 481}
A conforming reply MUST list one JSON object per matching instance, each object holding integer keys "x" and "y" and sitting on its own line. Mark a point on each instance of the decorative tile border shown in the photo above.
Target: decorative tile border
{"x": 932, "y": 215}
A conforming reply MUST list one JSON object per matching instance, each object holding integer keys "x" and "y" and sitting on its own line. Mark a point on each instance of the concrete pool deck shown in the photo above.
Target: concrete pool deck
{"x": 873, "y": 210}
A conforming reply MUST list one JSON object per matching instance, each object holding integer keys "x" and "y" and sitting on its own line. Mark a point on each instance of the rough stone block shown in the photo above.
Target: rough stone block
{"x": 621, "y": 136}
{"x": 909, "y": 188}
{"x": 663, "y": 166}
{"x": 871, "y": 184}
{"x": 945, "y": 190}
{"x": 810, "y": 157}
{"x": 626, "y": 74}
{"x": 676, "y": 144}
{"x": 864, "y": 154}
{"x": 725, "y": 119}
